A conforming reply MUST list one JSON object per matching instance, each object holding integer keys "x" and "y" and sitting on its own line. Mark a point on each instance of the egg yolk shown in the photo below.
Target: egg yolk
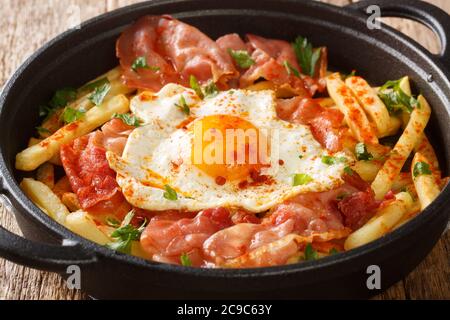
{"x": 229, "y": 148}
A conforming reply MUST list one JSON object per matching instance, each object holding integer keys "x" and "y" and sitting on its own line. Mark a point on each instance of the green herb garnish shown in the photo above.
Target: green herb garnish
{"x": 211, "y": 90}
{"x": 395, "y": 99}
{"x": 196, "y": 86}
{"x": 100, "y": 93}
{"x": 310, "y": 253}
{"x": 301, "y": 179}
{"x": 71, "y": 115}
{"x": 348, "y": 171}
{"x": 94, "y": 85}
{"x": 333, "y": 251}
{"x": 183, "y": 106}
{"x": 125, "y": 235}
{"x": 170, "y": 193}
{"x": 421, "y": 168}
{"x": 185, "y": 260}
{"x": 141, "y": 63}
{"x": 60, "y": 99}
{"x": 128, "y": 119}
{"x": 42, "y": 130}
{"x": 242, "y": 58}
{"x": 362, "y": 153}
{"x": 307, "y": 56}
{"x": 329, "y": 160}
{"x": 291, "y": 70}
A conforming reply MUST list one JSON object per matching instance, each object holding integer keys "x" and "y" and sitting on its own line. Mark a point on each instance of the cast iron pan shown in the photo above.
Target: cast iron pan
{"x": 80, "y": 55}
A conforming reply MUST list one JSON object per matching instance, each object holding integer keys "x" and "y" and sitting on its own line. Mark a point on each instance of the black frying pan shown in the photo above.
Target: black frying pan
{"x": 80, "y": 55}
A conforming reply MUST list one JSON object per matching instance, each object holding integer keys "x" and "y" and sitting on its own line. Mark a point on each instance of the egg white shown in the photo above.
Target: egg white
{"x": 159, "y": 154}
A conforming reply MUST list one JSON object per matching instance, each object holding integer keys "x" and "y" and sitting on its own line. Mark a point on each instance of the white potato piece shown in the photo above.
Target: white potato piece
{"x": 55, "y": 160}
{"x": 367, "y": 170}
{"x": 44, "y": 198}
{"x": 33, "y": 157}
{"x": 372, "y": 104}
{"x": 405, "y": 145}
{"x": 354, "y": 114}
{"x": 382, "y": 223}
{"x": 426, "y": 185}
{"x": 83, "y": 224}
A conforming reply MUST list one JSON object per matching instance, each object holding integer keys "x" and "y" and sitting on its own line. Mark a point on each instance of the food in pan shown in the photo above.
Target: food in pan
{"x": 234, "y": 153}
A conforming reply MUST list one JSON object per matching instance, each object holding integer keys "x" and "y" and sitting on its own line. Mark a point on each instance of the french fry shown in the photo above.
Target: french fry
{"x": 44, "y": 197}
{"x": 56, "y": 159}
{"x": 46, "y": 174}
{"x": 425, "y": 184}
{"x": 70, "y": 200}
{"x": 425, "y": 148}
{"x": 33, "y": 157}
{"x": 372, "y": 104}
{"x": 409, "y": 139}
{"x": 84, "y": 225}
{"x": 354, "y": 114}
{"x": 112, "y": 76}
{"x": 382, "y": 223}
{"x": 367, "y": 170}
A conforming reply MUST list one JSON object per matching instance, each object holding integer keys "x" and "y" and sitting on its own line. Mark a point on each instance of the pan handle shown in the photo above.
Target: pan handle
{"x": 55, "y": 258}
{"x": 433, "y": 17}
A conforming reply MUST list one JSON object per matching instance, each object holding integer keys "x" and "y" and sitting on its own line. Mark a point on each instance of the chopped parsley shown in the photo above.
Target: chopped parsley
{"x": 242, "y": 58}
{"x": 352, "y": 74}
{"x": 42, "y": 130}
{"x": 71, "y": 115}
{"x": 362, "y": 153}
{"x": 421, "y": 168}
{"x": 395, "y": 99}
{"x": 196, "y": 86}
{"x": 125, "y": 234}
{"x": 170, "y": 193}
{"x": 128, "y": 119}
{"x": 333, "y": 251}
{"x": 100, "y": 93}
{"x": 185, "y": 260}
{"x": 348, "y": 171}
{"x": 310, "y": 253}
{"x": 183, "y": 106}
{"x": 211, "y": 90}
{"x": 329, "y": 160}
{"x": 61, "y": 98}
{"x": 94, "y": 85}
{"x": 307, "y": 56}
{"x": 141, "y": 63}
{"x": 291, "y": 70}
{"x": 301, "y": 179}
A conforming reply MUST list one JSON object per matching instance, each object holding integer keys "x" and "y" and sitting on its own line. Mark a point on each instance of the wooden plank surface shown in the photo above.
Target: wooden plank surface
{"x": 28, "y": 24}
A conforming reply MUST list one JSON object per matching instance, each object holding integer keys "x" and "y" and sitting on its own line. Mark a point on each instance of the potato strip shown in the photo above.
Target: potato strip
{"x": 33, "y": 157}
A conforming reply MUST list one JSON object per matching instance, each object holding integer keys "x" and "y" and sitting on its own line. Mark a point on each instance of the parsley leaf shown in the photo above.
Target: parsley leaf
{"x": 333, "y": 251}
{"x": 170, "y": 193}
{"x": 329, "y": 160}
{"x": 141, "y": 63}
{"x": 291, "y": 70}
{"x": 62, "y": 97}
{"x": 211, "y": 90}
{"x": 301, "y": 179}
{"x": 183, "y": 106}
{"x": 421, "y": 168}
{"x": 185, "y": 260}
{"x": 310, "y": 253}
{"x": 100, "y": 93}
{"x": 362, "y": 153}
{"x": 42, "y": 130}
{"x": 94, "y": 85}
{"x": 348, "y": 171}
{"x": 242, "y": 58}
{"x": 196, "y": 86}
{"x": 396, "y": 99}
{"x": 307, "y": 56}
{"x": 113, "y": 223}
{"x": 71, "y": 115}
{"x": 125, "y": 234}
{"x": 128, "y": 119}
{"x": 352, "y": 74}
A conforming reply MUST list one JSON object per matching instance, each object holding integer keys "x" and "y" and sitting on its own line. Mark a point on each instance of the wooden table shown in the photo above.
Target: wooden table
{"x": 28, "y": 24}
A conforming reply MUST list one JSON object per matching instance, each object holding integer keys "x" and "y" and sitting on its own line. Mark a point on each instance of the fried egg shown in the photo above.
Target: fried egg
{"x": 230, "y": 150}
